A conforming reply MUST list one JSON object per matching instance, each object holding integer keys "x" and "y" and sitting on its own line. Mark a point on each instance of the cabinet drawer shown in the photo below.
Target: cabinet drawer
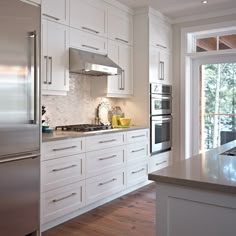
{"x": 102, "y": 161}
{"x": 105, "y": 185}
{"x": 104, "y": 141}
{"x": 62, "y": 201}
{"x": 137, "y": 136}
{"x": 55, "y": 149}
{"x": 62, "y": 171}
{"x": 159, "y": 161}
{"x": 137, "y": 151}
{"x": 137, "y": 173}
{"x": 87, "y": 42}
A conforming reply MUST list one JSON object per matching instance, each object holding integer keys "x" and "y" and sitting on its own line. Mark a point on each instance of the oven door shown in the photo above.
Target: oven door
{"x": 161, "y": 133}
{"x": 161, "y": 104}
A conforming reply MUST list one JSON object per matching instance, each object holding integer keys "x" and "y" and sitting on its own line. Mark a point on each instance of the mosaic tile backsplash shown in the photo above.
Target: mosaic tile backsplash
{"x": 77, "y": 107}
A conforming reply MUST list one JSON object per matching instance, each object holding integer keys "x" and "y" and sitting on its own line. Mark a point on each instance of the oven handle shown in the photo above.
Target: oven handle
{"x": 162, "y": 97}
{"x": 163, "y": 119}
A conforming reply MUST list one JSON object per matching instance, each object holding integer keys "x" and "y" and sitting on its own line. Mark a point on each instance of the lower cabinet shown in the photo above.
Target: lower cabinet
{"x": 78, "y": 174}
{"x": 61, "y": 201}
{"x": 105, "y": 185}
{"x": 159, "y": 161}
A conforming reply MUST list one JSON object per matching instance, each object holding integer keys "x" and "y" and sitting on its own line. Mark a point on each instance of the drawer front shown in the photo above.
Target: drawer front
{"x": 105, "y": 185}
{"x": 137, "y": 173}
{"x": 62, "y": 201}
{"x": 104, "y": 141}
{"x": 55, "y": 149}
{"x": 102, "y": 161}
{"x": 137, "y": 136}
{"x": 159, "y": 161}
{"x": 137, "y": 152}
{"x": 87, "y": 42}
{"x": 62, "y": 171}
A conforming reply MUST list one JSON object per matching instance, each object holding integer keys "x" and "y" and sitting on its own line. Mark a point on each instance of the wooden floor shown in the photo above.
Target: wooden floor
{"x": 130, "y": 215}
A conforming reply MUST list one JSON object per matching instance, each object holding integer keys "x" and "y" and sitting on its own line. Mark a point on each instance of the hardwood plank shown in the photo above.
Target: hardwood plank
{"x": 129, "y": 215}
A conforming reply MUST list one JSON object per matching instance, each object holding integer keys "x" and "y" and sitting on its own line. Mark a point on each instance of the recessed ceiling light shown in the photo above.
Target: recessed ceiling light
{"x": 204, "y": 2}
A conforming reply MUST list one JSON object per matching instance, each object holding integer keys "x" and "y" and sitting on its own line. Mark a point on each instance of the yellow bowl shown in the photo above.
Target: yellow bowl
{"x": 125, "y": 121}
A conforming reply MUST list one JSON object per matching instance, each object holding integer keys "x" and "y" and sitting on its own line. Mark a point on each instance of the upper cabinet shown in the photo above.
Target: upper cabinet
{"x": 160, "y": 33}
{"x": 120, "y": 26}
{"x": 121, "y": 85}
{"x": 89, "y": 16}
{"x": 55, "y": 74}
{"x": 87, "y": 42}
{"x": 56, "y": 10}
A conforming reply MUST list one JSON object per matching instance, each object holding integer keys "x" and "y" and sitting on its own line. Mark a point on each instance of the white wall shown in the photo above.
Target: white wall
{"x": 177, "y": 139}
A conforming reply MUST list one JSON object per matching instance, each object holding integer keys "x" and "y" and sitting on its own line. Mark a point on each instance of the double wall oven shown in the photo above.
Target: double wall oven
{"x": 160, "y": 117}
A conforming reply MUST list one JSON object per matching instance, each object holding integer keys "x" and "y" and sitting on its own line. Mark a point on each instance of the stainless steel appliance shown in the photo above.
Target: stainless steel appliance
{"x": 88, "y": 63}
{"x": 82, "y": 127}
{"x": 19, "y": 118}
{"x": 161, "y": 99}
{"x": 161, "y": 133}
{"x": 160, "y": 117}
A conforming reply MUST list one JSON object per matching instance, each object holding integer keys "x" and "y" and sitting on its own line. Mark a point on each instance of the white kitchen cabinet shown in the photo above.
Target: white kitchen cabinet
{"x": 159, "y": 161}
{"x": 137, "y": 136}
{"x": 61, "y": 201}
{"x": 160, "y": 65}
{"x": 120, "y": 26}
{"x": 137, "y": 152}
{"x": 102, "y": 161}
{"x": 105, "y": 185}
{"x": 62, "y": 171}
{"x": 89, "y": 16}
{"x": 56, "y": 10}
{"x": 55, "y": 58}
{"x": 87, "y": 42}
{"x": 120, "y": 85}
{"x": 160, "y": 33}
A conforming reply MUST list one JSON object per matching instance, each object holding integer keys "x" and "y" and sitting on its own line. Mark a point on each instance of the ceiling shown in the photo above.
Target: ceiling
{"x": 176, "y": 9}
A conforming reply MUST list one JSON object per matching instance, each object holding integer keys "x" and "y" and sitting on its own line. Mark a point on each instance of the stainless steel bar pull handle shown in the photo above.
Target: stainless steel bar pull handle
{"x": 157, "y": 164}
{"x": 138, "y": 136}
{"x": 18, "y": 158}
{"x": 54, "y": 18}
{"x": 65, "y": 148}
{"x": 64, "y": 168}
{"x": 161, "y": 70}
{"x": 91, "y": 30}
{"x": 159, "y": 45}
{"x": 87, "y": 46}
{"x": 108, "y": 141}
{"x": 122, "y": 40}
{"x": 138, "y": 150}
{"x": 135, "y": 172}
{"x": 106, "y": 158}
{"x": 50, "y": 59}
{"x": 107, "y": 182}
{"x": 63, "y": 198}
{"x": 46, "y": 70}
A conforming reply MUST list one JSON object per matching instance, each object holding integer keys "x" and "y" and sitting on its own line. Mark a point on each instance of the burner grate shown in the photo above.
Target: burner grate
{"x": 82, "y": 127}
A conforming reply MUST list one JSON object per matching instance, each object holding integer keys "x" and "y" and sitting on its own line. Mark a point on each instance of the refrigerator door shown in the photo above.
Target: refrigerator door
{"x": 19, "y": 80}
{"x": 19, "y": 196}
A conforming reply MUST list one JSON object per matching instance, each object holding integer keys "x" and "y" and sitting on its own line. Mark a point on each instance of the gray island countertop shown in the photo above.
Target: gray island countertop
{"x": 61, "y": 135}
{"x": 209, "y": 171}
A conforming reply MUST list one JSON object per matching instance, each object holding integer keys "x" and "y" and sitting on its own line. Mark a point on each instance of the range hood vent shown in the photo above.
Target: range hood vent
{"x": 88, "y": 63}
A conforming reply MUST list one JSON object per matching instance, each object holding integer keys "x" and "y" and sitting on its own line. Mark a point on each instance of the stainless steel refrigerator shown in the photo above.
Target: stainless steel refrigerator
{"x": 19, "y": 118}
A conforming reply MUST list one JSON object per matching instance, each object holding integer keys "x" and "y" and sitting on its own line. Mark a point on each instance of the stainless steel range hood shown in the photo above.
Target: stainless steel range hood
{"x": 88, "y": 63}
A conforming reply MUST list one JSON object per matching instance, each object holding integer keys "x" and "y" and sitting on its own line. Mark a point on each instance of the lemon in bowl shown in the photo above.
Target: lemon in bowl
{"x": 125, "y": 121}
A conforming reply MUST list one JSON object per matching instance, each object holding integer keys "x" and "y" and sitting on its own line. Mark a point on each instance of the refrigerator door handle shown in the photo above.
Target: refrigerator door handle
{"x": 33, "y": 38}
{"x": 30, "y": 156}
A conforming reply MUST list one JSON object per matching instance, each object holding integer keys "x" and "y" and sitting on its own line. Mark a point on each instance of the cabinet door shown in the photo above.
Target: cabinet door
{"x": 126, "y": 63}
{"x": 89, "y": 15}
{"x": 57, "y": 10}
{"x": 165, "y": 67}
{"x": 87, "y": 42}
{"x": 57, "y": 57}
{"x": 120, "y": 26}
{"x": 121, "y": 85}
{"x": 154, "y": 60}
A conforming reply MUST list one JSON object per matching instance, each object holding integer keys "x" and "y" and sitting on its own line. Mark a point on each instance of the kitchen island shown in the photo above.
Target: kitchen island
{"x": 197, "y": 196}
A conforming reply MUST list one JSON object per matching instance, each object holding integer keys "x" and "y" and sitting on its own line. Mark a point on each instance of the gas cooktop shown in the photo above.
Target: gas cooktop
{"x": 82, "y": 127}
